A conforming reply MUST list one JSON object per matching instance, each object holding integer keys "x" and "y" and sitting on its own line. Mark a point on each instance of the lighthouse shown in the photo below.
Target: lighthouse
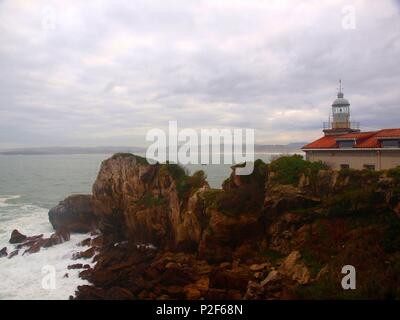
{"x": 340, "y": 123}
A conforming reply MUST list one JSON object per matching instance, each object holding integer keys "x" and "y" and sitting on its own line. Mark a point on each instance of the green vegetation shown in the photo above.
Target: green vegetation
{"x": 289, "y": 169}
{"x": 314, "y": 264}
{"x": 257, "y": 176}
{"x": 139, "y": 159}
{"x": 186, "y": 185}
{"x": 395, "y": 174}
{"x": 273, "y": 255}
{"x": 359, "y": 201}
{"x": 390, "y": 241}
{"x": 176, "y": 171}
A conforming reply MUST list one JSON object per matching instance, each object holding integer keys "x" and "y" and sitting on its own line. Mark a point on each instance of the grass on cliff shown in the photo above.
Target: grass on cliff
{"x": 289, "y": 169}
{"x": 139, "y": 159}
{"x": 371, "y": 243}
{"x": 361, "y": 201}
{"x": 185, "y": 184}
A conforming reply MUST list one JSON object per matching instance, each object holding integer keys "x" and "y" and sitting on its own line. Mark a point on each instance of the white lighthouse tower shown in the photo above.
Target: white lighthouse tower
{"x": 340, "y": 123}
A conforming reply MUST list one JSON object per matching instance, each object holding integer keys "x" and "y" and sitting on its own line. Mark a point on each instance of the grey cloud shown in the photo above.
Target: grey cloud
{"x": 109, "y": 71}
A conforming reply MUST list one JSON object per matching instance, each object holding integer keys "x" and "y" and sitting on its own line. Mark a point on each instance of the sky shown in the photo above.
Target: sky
{"x": 103, "y": 73}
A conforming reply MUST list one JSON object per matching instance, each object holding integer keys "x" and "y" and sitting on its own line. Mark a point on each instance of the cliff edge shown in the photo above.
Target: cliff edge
{"x": 283, "y": 232}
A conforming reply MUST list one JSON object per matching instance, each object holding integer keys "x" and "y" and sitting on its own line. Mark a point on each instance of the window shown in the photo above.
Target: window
{"x": 369, "y": 167}
{"x": 344, "y": 166}
{"x": 346, "y": 144}
{"x": 394, "y": 143}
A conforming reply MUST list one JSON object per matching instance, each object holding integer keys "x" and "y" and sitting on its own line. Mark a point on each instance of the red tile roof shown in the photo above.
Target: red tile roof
{"x": 364, "y": 139}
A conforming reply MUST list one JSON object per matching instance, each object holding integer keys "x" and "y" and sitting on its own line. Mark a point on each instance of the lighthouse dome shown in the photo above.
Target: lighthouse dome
{"x": 341, "y": 102}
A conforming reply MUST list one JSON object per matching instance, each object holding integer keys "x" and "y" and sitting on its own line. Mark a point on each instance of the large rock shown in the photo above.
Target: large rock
{"x": 17, "y": 237}
{"x": 75, "y": 213}
{"x": 143, "y": 203}
{"x": 3, "y": 252}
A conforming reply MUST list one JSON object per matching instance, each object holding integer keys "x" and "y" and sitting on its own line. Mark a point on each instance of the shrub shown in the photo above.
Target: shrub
{"x": 353, "y": 201}
{"x": 288, "y": 169}
{"x": 391, "y": 237}
{"x": 395, "y": 174}
{"x": 189, "y": 184}
{"x": 176, "y": 171}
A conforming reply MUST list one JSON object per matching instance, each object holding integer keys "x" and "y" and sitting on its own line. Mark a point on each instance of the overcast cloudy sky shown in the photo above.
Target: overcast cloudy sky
{"x": 104, "y": 72}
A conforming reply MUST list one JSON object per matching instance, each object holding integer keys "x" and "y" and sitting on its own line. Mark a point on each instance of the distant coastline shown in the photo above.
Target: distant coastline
{"x": 269, "y": 148}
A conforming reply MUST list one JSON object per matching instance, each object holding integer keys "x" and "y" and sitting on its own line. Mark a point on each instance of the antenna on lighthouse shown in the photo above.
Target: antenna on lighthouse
{"x": 340, "y": 92}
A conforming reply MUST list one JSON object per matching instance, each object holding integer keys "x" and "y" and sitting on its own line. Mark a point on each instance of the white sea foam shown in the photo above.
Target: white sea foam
{"x": 4, "y": 200}
{"x": 21, "y": 276}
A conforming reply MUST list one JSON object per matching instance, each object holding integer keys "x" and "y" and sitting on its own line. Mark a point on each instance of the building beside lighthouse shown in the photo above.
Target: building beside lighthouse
{"x": 345, "y": 146}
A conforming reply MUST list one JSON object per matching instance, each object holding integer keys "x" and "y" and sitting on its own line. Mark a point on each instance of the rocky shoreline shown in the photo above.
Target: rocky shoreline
{"x": 284, "y": 232}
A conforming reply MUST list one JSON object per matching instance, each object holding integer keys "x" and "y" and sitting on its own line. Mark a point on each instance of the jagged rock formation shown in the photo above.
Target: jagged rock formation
{"x": 284, "y": 232}
{"x": 33, "y": 244}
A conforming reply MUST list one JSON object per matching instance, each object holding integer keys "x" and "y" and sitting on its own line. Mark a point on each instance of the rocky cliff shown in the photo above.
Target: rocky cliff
{"x": 283, "y": 232}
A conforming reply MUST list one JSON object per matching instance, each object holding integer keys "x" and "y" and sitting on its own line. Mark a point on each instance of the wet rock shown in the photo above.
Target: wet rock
{"x": 87, "y": 254}
{"x": 29, "y": 241}
{"x": 97, "y": 242}
{"x": 13, "y": 254}
{"x": 60, "y": 236}
{"x": 3, "y": 252}
{"x": 86, "y": 292}
{"x": 46, "y": 242}
{"x": 75, "y": 266}
{"x": 75, "y": 213}
{"x": 17, "y": 237}
{"x": 36, "y": 246}
{"x": 86, "y": 242}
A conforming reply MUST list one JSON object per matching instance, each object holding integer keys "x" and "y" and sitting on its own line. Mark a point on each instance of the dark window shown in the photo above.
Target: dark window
{"x": 369, "y": 167}
{"x": 346, "y": 144}
{"x": 390, "y": 143}
{"x": 344, "y": 166}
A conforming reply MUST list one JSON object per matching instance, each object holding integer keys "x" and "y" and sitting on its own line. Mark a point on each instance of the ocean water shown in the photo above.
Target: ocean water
{"x": 29, "y": 186}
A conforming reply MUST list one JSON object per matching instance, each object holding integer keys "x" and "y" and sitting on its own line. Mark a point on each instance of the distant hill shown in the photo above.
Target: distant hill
{"x": 273, "y": 148}
{"x": 280, "y": 148}
{"x": 71, "y": 150}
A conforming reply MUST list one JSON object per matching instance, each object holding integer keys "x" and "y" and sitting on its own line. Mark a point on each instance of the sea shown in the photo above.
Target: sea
{"x": 30, "y": 185}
